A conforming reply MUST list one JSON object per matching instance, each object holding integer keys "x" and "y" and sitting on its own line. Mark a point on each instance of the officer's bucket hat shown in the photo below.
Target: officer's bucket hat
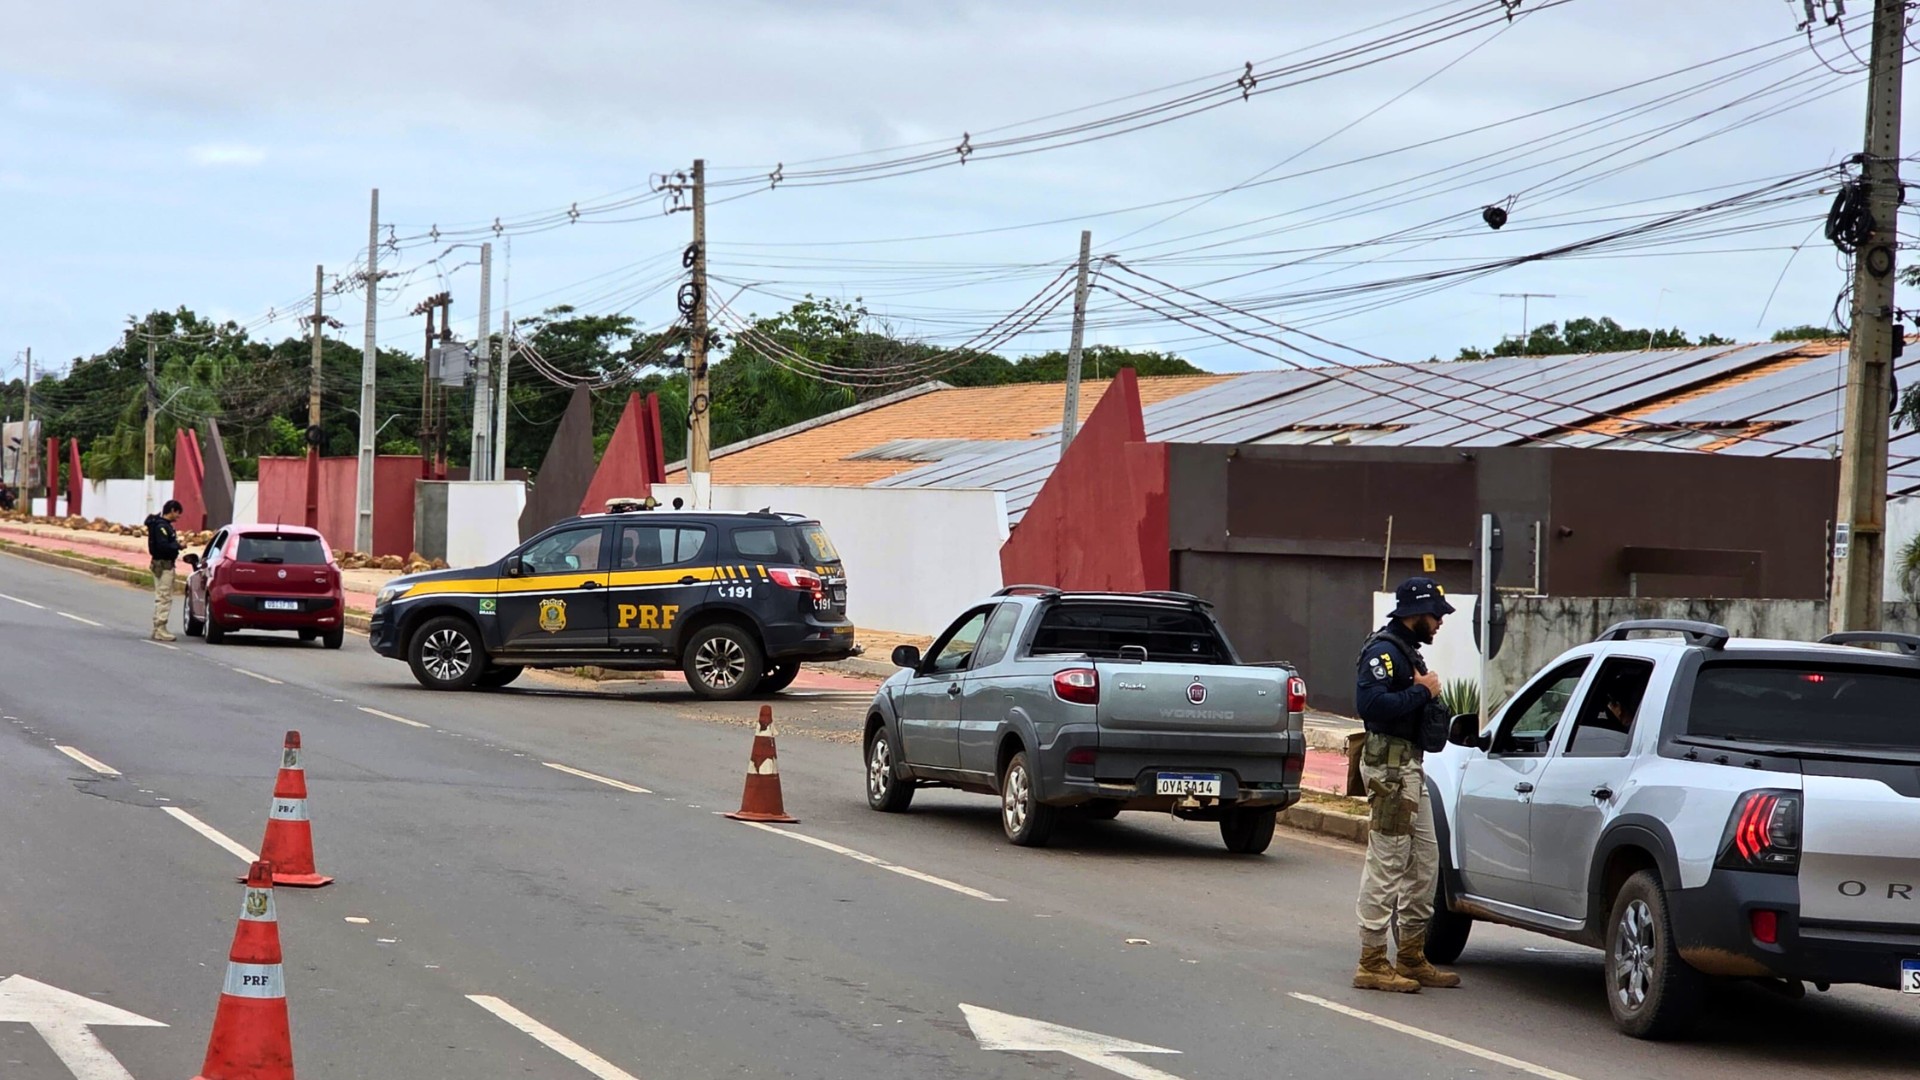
{"x": 1420, "y": 596}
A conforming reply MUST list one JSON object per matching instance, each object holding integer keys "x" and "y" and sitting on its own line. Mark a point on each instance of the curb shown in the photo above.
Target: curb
{"x": 353, "y": 620}
{"x": 1308, "y": 817}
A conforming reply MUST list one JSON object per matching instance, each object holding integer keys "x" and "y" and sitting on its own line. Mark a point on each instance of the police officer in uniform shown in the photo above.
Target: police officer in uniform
{"x": 1399, "y": 701}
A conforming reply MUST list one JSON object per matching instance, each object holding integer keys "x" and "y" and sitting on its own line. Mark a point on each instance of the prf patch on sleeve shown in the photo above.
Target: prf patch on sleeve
{"x": 1382, "y": 666}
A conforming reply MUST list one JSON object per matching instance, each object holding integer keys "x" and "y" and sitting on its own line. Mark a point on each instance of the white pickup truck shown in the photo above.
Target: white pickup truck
{"x": 1704, "y": 808}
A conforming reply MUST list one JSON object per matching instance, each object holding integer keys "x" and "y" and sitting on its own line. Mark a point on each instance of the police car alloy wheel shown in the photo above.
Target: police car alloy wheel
{"x": 723, "y": 663}
{"x": 446, "y": 654}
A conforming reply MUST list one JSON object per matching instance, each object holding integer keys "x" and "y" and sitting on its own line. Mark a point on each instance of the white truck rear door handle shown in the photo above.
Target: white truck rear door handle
{"x": 954, "y": 689}
{"x": 1523, "y": 788}
{"x": 1603, "y": 793}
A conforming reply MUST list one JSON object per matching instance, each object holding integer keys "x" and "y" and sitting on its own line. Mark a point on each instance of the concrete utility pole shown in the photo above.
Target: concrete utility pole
{"x": 1070, "y": 418}
{"x": 363, "y": 496}
{"x": 152, "y": 406}
{"x": 500, "y": 395}
{"x": 29, "y": 446}
{"x": 480, "y": 459}
{"x": 699, "y": 411}
{"x": 1859, "y": 549}
{"x": 313, "y": 401}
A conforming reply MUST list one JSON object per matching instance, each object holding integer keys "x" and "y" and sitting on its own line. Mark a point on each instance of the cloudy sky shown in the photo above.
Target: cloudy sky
{"x": 211, "y": 154}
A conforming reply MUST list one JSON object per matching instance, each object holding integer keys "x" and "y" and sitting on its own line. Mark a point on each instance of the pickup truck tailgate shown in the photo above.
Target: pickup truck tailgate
{"x": 1188, "y": 697}
{"x": 1860, "y": 859}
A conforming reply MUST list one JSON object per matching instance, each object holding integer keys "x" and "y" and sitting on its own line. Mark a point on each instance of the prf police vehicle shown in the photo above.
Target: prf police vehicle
{"x": 737, "y": 601}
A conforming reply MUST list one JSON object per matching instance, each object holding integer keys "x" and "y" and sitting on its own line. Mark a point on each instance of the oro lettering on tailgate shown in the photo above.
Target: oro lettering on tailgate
{"x": 648, "y": 616}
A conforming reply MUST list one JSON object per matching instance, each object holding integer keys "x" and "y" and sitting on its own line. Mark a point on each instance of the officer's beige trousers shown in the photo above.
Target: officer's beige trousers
{"x": 162, "y": 593}
{"x": 1403, "y": 856}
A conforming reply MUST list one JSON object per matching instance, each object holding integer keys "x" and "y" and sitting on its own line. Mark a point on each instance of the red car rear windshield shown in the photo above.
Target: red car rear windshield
{"x": 288, "y": 550}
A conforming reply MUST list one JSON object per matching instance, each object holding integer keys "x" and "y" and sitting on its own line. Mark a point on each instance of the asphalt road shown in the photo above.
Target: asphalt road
{"x": 673, "y": 943}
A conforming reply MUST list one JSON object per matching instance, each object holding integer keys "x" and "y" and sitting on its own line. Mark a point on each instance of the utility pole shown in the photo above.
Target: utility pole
{"x": 1859, "y": 549}
{"x": 319, "y": 320}
{"x": 500, "y": 395}
{"x": 1070, "y": 419}
{"x": 29, "y": 446}
{"x": 152, "y": 406}
{"x": 480, "y": 459}
{"x": 699, "y": 411}
{"x": 363, "y": 495}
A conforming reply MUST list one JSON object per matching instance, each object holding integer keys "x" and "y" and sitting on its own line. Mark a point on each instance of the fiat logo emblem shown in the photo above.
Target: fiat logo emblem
{"x": 283, "y": 573}
{"x": 1197, "y": 693}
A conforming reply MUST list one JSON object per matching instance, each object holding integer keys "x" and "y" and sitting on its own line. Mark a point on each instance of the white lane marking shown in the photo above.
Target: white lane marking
{"x": 1438, "y": 1040}
{"x": 551, "y": 1039}
{"x": 76, "y": 618}
{"x": 389, "y": 716}
{"x": 29, "y": 603}
{"x": 233, "y": 847}
{"x": 1021, "y": 1034}
{"x": 63, "y": 1020}
{"x": 161, "y": 644}
{"x": 870, "y": 860}
{"x": 257, "y": 675}
{"x": 92, "y": 763}
{"x": 595, "y": 777}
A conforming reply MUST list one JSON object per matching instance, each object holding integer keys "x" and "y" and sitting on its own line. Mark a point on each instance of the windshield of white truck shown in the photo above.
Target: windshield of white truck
{"x": 1171, "y": 635}
{"x": 1813, "y": 705}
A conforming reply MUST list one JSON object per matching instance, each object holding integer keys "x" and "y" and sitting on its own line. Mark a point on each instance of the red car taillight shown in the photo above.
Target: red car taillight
{"x": 1764, "y": 833}
{"x": 1766, "y": 926}
{"x": 799, "y": 581}
{"x": 1077, "y": 686}
{"x": 1296, "y": 694}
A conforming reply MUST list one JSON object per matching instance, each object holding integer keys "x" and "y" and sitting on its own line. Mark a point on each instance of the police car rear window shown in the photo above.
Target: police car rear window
{"x": 757, "y": 543}
{"x": 285, "y": 550}
{"x": 1169, "y": 634}
{"x": 819, "y": 548}
{"x": 1814, "y": 705}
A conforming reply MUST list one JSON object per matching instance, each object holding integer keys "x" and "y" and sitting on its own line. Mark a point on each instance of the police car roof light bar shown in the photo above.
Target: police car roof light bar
{"x": 1908, "y": 643}
{"x": 1710, "y": 635}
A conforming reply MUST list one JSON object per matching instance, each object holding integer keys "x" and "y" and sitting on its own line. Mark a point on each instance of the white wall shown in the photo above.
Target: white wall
{"x": 59, "y": 507}
{"x": 246, "y": 502}
{"x": 123, "y": 502}
{"x": 483, "y": 520}
{"x": 915, "y": 558}
{"x": 1903, "y": 524}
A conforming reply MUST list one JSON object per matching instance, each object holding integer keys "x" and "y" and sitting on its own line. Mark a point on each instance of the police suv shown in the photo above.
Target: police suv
{"x": 1704, "y": 808}
{"x": 735, "y": 600}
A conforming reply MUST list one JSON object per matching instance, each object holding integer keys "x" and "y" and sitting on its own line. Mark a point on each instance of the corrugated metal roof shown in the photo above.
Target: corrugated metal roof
{"x": 1764, "y": 399}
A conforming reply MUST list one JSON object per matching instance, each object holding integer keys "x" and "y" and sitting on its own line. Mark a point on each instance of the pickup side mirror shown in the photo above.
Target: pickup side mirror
{"x": 514, "y": 566}
{"x": 191, "y": 560}
{"x": 1465, "y": 731}
{"x": 906, "y": 656}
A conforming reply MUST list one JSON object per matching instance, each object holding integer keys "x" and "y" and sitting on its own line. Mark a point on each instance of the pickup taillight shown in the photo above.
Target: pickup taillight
{"x": 1077, "y": 686}
{"x": 799, "y": 581}
{"x": 1296, "y": 694}
{"x": 1763, "y": 833}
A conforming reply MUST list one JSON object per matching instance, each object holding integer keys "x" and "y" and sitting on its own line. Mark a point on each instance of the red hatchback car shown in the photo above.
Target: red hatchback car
{"x": 266, "y": 577}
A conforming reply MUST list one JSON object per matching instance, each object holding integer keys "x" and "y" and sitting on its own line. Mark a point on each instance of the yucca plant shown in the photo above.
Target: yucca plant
{"x": 1461, "y": 696}
{"x": 1907, "y": 564}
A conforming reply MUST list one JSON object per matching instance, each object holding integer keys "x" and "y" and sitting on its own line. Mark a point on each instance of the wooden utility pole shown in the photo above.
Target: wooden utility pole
{"x": 152, "y": 407}
{"x": 699, "y": 405}
{"x": 313, "y": 401}
{"x": 1070, "y": 417}
{"x": 500, "y": 397}
{"x": 425, "y": 307}
{"x": 1859, "y": 549}
{"x": 363, "y": 495}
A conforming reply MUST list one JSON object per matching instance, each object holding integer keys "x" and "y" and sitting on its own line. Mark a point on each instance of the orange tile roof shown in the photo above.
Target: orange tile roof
{"x": 818, "y": 455}
{"x": 1625, "y": 421}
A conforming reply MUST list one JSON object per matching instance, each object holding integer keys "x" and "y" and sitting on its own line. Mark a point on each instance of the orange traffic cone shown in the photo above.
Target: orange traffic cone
{"x": 761, "y": 800}
{"x": 250, "y": 1037}
{"x": 288, "y": 844}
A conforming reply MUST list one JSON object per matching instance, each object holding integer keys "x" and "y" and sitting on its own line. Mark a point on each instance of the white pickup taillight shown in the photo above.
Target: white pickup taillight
{"x": 1764, "y": 833}
{"x": 1077, "y": 686}
{"x": 1296, "y": 694}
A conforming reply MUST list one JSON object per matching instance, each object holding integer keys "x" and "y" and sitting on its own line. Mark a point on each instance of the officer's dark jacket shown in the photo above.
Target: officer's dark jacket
{"x": 1388, "y": 700}
{"x": 163, "y": 544}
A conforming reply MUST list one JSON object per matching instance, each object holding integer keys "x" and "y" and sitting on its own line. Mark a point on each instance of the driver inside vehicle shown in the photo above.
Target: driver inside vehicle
{"x": 576, "y": 550}
{"x": 1620, "y": 699}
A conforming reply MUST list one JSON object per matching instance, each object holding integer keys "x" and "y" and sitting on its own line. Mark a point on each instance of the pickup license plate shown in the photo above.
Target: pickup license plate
{"x": 1187, "y": 783}
{"x": 1910, "y": 976}
{"x": 279, "y": 605}
{"x": 839, "y": 596}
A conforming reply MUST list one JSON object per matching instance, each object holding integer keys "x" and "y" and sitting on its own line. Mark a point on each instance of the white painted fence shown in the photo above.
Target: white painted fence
{"x": 483, "y": 520}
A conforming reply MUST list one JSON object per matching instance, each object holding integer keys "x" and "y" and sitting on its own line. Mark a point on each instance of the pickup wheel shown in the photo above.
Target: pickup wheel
{"x": 446, "y": 654}
{"x": 778, "y": 677}
{"x": 334, "y": 638}
{"x": 723, "y": 663}
{"x": 499, "y": 675}
{"x": 1248, "y": 832}
{"x": 1447, "y": 931}
{"x": 1028, "y": 821}
{"x": 1652, "y": 992}
{"x": 886, "y": 792}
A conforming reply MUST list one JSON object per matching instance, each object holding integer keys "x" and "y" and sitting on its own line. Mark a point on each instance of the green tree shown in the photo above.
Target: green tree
{"x": 1806, "y": 332}
{"x": 1589, "y": 335}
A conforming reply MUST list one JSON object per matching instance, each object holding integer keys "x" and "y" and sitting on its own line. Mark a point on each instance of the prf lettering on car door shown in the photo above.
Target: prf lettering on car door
{"x": 648, "y": 616}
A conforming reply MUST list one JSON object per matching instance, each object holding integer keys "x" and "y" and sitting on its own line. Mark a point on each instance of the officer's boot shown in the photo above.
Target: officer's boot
{"x": 1375, "y": 973}
{"x": 1413, "y": 964}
